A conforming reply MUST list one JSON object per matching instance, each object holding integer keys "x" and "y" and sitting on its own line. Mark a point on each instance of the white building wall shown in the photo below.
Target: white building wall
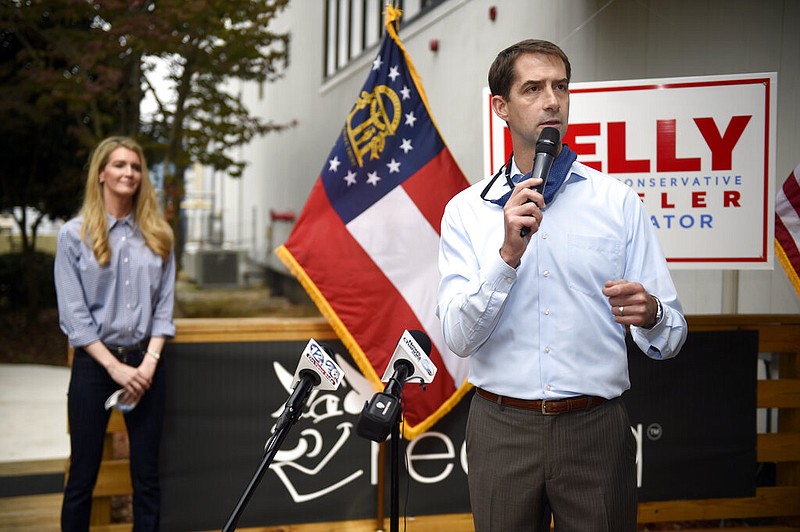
{"x": 604, "y": 39}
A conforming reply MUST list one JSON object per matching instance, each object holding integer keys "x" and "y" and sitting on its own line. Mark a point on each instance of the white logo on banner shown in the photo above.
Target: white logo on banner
{"x": 311, "y": 445}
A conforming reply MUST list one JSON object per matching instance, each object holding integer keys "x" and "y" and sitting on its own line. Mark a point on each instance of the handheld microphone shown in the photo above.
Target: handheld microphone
{"x": 316, "y": 369}
{"x": 546, "y": 148}
{"x": 410, "y": 361}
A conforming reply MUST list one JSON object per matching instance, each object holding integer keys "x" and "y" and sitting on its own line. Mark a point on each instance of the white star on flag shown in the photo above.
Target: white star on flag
{"x": 406, "y": 92}
{"x": 372, "y": 178}
{"x": 394, "y": 166}
{"x": 406, "y": 146}
{"x": 410, "y": 119}
{"x": 350, "y": 178}
{"x": 394, "y": 72}
{"x": 334, "y": 164}
{"x": 376, "y": 65}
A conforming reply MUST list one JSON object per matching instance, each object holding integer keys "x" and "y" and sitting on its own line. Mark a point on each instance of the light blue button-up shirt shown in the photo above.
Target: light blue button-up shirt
{"x": 122, "y": 303}
{"x": 545, "y": 330}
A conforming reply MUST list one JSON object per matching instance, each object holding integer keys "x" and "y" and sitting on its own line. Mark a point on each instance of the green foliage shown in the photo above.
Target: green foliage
{"x": 206, "y": 46}
{"x": 73, "y": 72}
{"x": 79, "y": 69}
{"x": 13, "y": 295}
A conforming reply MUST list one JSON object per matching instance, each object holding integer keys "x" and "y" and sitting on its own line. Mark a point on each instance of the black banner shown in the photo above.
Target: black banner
{"x": 223, "y": 399}
{"x": 693, "y": 416}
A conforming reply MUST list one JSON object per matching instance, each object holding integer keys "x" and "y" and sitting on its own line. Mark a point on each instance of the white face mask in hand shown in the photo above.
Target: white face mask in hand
{"x": 118, "y": 400}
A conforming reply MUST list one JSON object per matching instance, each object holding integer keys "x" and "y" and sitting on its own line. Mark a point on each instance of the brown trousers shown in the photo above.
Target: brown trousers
{"x": 525, "y": 467}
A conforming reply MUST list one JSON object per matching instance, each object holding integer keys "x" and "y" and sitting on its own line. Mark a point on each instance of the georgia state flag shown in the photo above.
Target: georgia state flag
{"x": 365, "y": 246}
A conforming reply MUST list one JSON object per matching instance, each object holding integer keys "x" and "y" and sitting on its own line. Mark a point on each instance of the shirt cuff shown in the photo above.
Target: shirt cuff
{"x": 164, "y": 329}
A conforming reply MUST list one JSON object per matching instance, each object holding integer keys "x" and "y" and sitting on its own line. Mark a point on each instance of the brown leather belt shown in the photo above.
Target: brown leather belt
{"x": 545, "y": 406}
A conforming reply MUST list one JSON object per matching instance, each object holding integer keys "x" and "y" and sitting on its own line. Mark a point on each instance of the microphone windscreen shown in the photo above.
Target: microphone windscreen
{"x": 422, "y": 339}
{"x": 548, "y": 141}
{"x": 327, "y": 349}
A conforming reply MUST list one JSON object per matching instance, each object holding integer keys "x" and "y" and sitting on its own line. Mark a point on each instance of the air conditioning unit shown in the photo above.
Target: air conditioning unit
{"x": 213, "y": 268}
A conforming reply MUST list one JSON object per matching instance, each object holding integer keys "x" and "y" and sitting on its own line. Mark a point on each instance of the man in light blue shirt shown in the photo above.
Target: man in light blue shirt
{"x": 543, "y": 317}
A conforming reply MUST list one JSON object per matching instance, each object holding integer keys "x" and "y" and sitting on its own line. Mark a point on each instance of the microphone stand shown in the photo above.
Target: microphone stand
{"x": 395, "y": 387}
{"x": 394, "y": 491}
{"x": 287, "y": 419}
{"x": 380, "y": 426}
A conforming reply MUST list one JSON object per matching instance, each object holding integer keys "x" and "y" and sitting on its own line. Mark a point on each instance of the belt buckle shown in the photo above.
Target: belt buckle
{"x": 544, "y": 409}
{"x": 122, "y": 353}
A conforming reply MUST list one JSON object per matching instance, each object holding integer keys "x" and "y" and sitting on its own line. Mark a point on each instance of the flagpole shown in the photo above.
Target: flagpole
{"x": 730, "y": 292}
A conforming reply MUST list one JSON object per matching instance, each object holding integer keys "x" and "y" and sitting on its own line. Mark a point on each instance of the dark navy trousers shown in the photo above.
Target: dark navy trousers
{"x": 89, "y": 387}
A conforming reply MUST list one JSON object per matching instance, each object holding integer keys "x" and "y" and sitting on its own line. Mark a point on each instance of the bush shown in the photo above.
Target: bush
{"x": 13, "y": 295}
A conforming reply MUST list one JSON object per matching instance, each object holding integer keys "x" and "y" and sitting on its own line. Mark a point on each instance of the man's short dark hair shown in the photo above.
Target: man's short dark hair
{"x": 501, "y": 73}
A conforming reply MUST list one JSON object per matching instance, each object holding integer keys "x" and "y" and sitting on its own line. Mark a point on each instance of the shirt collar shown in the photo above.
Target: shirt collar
{"x": 128, "y": 220}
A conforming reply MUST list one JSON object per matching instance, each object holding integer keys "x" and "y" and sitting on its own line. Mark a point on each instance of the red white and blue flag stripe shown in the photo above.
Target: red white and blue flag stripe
{"x": 365, "y": 246}
{"x": 787, "y": 227}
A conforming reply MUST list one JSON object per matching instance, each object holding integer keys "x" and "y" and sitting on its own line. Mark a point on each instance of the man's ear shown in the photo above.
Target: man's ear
{"x": 499, "y": 107}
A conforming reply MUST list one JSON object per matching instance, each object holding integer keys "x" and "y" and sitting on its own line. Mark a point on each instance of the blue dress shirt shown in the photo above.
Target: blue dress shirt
{"x": 545, "y": 330}
{"x": 125, "y": 302}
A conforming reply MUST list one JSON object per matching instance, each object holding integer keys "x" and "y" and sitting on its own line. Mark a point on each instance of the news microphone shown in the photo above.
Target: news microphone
{"x": 316, "y": 369}
{"x": 546, "y": 149}
{"x": 410, "y": 361}
{"x": 412, "y": 352}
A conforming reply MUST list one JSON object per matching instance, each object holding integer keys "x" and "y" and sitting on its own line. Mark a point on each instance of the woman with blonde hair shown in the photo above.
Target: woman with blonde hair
{"x": 115, "y": 282}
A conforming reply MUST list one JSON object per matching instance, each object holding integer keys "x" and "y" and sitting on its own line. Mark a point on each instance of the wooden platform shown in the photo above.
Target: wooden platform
{"x": 33, "y": 513}
{"x": 40, "y": 513}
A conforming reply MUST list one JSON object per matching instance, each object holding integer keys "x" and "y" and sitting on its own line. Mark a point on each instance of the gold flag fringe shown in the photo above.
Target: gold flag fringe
{"x": 780, "y": 253}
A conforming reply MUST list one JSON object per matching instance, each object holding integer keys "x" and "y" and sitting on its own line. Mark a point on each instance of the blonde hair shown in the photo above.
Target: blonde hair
{"x": 94, "y": 229}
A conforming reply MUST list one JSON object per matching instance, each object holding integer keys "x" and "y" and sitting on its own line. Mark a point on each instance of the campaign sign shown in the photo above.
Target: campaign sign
{"x": 699, "y": 151}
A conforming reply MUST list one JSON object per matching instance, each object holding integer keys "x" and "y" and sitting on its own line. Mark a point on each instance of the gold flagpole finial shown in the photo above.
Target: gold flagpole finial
{"x": 392, "y": 14}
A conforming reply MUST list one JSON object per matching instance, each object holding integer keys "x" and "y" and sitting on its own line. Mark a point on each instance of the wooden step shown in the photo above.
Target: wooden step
{"x": 33, "y": 513}
{"x": 32, "y": 467}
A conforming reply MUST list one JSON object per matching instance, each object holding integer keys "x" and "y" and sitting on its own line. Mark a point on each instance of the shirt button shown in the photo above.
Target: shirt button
{"x": 128, "y": 305}
{"x": 127, "y": 283}
{"x": 546, "y": 273}
{"x": 547, "y": 349}
{"x": 547, "y": 312}
{"x": 509, "y": 280}
{"x": 125, "y": 259}
{"x": 544, "y": 235}
{"x": 123, "y": 239}
{"x": 549, "y": 387}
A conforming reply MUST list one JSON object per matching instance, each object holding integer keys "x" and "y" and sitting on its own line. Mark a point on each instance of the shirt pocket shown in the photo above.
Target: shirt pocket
{"x": 591, "y": 261}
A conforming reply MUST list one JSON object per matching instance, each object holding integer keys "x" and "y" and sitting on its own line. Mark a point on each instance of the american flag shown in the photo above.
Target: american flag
{"x": 787, "y": 227}
{"x": 365, "y": 246}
